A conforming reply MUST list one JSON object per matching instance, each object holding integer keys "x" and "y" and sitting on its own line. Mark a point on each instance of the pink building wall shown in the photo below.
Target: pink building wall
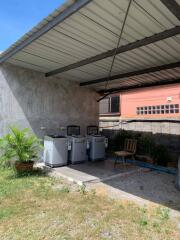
{"x": 159, "y": 95}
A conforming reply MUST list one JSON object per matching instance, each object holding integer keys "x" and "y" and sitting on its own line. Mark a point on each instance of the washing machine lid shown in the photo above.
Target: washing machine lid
{"x": 73, "y": 130}
{"x": 77, "y": 136}
{"x": 97, "y": 135}
{"x": 50, "y": 137}
{"x": 92, "y": 130}
{"x": 55, "y": 136}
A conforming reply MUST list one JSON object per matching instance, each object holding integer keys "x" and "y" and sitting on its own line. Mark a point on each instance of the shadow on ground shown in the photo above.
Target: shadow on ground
{"x": 150, "y": 185}
{"x": 37, "y": 172}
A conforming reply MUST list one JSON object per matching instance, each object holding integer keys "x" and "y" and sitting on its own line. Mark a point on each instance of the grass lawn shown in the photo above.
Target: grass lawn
{"x": 39, "y": 207}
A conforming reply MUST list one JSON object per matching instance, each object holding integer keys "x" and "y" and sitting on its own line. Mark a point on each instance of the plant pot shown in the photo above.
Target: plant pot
{"x": 24, "y": 166}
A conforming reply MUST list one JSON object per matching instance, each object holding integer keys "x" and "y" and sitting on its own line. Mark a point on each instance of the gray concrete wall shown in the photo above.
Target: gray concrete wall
{"x": 28, "y": 99}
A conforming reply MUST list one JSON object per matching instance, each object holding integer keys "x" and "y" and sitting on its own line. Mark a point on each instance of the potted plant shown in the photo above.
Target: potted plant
{"x": 21, "y": 147}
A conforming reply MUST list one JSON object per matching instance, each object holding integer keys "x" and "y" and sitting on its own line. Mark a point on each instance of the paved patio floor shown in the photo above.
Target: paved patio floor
{"x": 143, "y": 187}
{"x": 93, "y": 171}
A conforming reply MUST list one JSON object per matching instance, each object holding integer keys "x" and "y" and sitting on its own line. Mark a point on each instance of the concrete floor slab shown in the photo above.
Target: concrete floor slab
{"x": 93, "y": 171}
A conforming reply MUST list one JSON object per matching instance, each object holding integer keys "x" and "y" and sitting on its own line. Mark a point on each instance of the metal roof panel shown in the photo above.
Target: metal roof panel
{"x": 94, "y": 29}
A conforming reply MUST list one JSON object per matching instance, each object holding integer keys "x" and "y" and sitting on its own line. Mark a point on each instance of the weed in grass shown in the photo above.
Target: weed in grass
{"x": 64, "y": 189}
{"x": 143, "y": 219}
{"x": 82, "y": 189}
{"x": 163, "y": 213}
{"x": 93, "y": 192}
{"x": 156, "y": 225}
{"x": 5, "y": 213}
{"x": 157, "y": 228}
{"x": 143, "y": 222}
{"x": 143, "y": 210}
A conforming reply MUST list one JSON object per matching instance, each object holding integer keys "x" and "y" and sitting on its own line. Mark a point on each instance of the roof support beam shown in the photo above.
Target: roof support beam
{"x": 77, "y": 5}
{"x": 158, "y": 83}
{"x": 173, "y": 7}
{"x": 133, "y": 74}
{"x": 140, "y": 43}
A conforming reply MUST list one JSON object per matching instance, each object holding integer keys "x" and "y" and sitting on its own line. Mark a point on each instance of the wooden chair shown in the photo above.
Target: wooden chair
{"x": 130, "y": 146}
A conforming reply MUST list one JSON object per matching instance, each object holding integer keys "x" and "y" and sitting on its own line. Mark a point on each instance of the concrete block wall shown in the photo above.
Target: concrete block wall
{"x": 165, "y": 133}
{"x": 28, "y": 99}
{"x": 153, "y": 127}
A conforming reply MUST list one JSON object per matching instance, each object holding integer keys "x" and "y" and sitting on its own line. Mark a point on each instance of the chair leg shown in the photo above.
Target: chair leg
{"x": 115, "y": 162}
{"x": 124, "y": 161}
{"x": 133, "y": 158}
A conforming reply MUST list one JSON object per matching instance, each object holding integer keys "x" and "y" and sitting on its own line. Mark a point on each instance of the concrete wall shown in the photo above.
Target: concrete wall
{"x": 28, "y": 99}
{"x": 165, "y": 133}
{"x": 172, "y": 128}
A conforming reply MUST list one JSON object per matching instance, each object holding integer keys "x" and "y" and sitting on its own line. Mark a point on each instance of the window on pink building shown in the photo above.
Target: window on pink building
{"x": 109, "y": 105}
{"x": 158, "y": 109}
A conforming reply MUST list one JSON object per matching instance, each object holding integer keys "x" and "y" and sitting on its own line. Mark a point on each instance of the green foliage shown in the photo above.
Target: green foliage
{"x": 161, "y": 155}
{"x": 146, "y": 144}
{"x": 19, "y": 145}
{"x": 143, "y": 220}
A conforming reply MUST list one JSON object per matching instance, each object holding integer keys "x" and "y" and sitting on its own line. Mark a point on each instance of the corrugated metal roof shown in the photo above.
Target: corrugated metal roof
{"x": 94, "y": 29}
{"x": 163, "y": 75}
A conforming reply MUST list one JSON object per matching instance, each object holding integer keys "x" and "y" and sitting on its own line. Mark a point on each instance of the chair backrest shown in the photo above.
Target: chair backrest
{"x": 130, "y": 145}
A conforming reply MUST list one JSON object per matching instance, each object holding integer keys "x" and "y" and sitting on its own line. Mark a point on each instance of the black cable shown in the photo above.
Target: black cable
{"x": 115, "y": 51}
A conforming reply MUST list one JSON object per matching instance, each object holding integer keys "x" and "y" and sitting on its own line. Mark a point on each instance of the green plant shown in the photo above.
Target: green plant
{"x": 143, "y": 220}
{"x": 82, "y": 189}
{"x": 64, "y": 189}
{"x": 162, "y": 155}
{"x": 146, "y": 144}
{"x": 164, "y": 213}
{"x": 19, "y": 145}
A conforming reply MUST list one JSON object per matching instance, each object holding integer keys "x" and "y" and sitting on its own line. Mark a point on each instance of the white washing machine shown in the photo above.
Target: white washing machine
{"x": 77, "y": 145}
{"x": 97, "y": 144}
{"x": 55, "y": 151}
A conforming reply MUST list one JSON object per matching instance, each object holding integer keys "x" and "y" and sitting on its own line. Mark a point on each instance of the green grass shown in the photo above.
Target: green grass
{"x": 34, "y": 207}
